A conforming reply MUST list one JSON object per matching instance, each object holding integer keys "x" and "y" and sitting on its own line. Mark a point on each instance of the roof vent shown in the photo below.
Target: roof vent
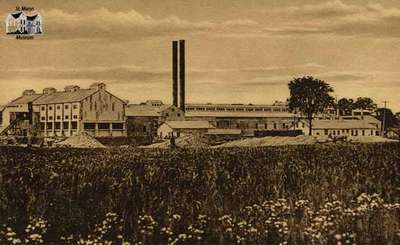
{"x": 49, "y": 90}
{"x": 98, "y": 86}
{"x": 29, "y": 92}
{"x": 71, "y": 88}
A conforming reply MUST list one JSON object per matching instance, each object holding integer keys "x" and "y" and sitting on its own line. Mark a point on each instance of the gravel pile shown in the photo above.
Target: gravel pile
{"x": 81, "y": 141}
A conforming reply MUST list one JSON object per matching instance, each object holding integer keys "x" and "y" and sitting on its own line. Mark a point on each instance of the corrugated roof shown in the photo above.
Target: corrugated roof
{"x": 223, "y": 131}
{"x": 189, "y": 124}
{"x": 25, "y": 99}
{"x": 141, "y": 111}
{"x": 238, "y": 114}
{"x": 64, "y": 97}
{"x": 145, "y": 110}
{"x": 342, "y": 124}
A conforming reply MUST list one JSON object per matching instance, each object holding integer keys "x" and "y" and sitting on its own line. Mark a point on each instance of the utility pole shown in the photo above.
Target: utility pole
{"x": 384, "y": 116}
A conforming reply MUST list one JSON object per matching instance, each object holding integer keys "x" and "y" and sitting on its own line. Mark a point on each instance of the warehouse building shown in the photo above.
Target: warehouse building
{"x": 180, "y": 128}
{"x": 65, "y": 113}
{"x": 336, "y": 128}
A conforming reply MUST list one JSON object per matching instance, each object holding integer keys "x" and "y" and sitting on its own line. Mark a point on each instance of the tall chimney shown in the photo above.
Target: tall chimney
{"x": 175, "y": 73}
{"x": 182, "y": 73}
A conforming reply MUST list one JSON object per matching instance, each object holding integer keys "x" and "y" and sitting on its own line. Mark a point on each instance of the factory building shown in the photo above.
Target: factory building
{"x": 65, "y": 113}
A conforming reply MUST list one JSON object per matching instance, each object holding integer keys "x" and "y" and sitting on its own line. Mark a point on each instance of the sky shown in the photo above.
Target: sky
{"x": 236, "y": 51}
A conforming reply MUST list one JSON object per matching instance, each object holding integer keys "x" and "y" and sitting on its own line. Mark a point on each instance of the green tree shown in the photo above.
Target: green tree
{"x": 309, "y": 96}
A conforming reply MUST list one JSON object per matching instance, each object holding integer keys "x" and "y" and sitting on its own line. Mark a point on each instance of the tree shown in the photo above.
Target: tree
{"x": 388, "y": 119}
{"x": 345, "y": 106}
{"x": 309, "y": 96}
{"x": 365, "y": 103}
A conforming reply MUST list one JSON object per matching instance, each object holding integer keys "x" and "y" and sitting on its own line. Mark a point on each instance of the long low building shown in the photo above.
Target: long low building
{"x": 335, "y": 128}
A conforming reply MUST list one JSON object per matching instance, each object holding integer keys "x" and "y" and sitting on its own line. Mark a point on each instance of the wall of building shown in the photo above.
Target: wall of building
{"x": 102, "y": 106}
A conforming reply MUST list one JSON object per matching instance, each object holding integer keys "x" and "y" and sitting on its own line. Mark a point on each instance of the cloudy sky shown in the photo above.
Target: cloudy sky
{"x": 236, "y": 51}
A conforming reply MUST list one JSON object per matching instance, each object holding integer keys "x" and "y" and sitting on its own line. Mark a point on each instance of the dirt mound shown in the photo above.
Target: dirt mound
{"x": 300, "y": 140}
{"x": 271, "y": 141}
{"x": 186, "y": 141}
{"x": 81, "y": 141}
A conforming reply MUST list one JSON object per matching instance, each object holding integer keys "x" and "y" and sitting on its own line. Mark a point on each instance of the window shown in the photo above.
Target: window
{"x": 363, "y": 132}
{"x": 49, "y": 126}
{"x": 43, "y": 118}
{"x": 50, "y": 118}
{"x": 326, "y": 131}
{"x": 89, "y": 126}
{"x": 172, "y": 109}
{"x": 104, "y": 126}
{"x": 74, "y": 125}
{"x": 43, "y": 108}
{"x": 274, "y": 125}
{"x": 42, "y": 126}
{"x": 58, "y": 107}
{"x": 75, "y": 106}
{"x": 333, "y": 132}
{"x": 66, "y": 107}
{"x": 75, "y": 117}
{"x": 117, "y": 126}
{"x": 65, "y": 125}
{"x": 113, "y": 107}
{"x": 179, "y": 114}
{"x": 50, "y": 108}
{"x": 66, "y": 117}
{"x": 58, "y": 117}
{"x": 57, "y": 125}
{"x": 166, "y": 114}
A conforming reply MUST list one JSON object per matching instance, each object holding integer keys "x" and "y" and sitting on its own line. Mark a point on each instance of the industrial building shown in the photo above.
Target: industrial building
{"x": 69, "y": 112}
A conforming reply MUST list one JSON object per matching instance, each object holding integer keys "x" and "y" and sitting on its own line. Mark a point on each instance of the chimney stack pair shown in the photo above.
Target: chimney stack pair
{"x": 181, "y": 74}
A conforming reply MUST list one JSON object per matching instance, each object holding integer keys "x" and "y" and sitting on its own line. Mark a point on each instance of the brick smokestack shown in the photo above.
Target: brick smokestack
{"x": 175, "y": 73}
{"x": 182, "y": 74}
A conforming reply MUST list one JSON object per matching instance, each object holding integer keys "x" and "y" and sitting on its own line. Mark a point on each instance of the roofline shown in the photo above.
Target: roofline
{"x": 125, "y": 103}
{"x": 72, "y": 101}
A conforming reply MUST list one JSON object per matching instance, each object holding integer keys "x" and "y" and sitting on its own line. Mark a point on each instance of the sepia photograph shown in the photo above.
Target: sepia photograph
{"x": 197, "y": 122}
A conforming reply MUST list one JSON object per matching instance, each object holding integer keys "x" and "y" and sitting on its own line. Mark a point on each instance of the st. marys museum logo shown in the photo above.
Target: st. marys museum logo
{"x": 24, "y": 22}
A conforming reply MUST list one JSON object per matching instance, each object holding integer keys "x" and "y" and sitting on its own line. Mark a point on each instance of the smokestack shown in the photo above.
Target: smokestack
{"x": 175, "y": 73}
{"x": 182, "y": 73}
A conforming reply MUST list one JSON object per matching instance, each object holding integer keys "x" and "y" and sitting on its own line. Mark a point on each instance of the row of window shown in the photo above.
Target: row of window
{"x": 346, "y": 131}
{"x": 66, "y": 117}
{"x": 103, "y": 126}
{"x": 236, "y": 109}
{"x": 57, "y": 125}
{"x": 87, "y": 126}
{"x": 58, "y": 107}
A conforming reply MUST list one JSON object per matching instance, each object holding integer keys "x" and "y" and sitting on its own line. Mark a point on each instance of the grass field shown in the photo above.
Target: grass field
{"x": 316, "y": 194}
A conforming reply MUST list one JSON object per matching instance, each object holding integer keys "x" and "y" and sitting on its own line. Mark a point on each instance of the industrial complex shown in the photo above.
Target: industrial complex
{"x": 99, "y": 113}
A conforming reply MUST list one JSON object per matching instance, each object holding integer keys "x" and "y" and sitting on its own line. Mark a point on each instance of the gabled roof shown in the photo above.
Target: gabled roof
{"x": 64, "y": 97}
{"x": 189, "y": 124}
{"x": 25, "y": 99}
{"x": 239, "y": 114}
{"x": 342, "y": 124}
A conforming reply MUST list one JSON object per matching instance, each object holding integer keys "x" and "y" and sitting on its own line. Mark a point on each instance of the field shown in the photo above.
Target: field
{"x": 310, "y": 194}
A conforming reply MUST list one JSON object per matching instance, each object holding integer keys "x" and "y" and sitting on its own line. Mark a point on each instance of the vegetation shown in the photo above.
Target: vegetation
{"x": 309, "y": 96}
{"x": 320, "y": 194}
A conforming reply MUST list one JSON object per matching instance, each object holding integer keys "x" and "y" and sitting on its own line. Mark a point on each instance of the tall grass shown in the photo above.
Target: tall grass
{"x": 298, "y": 194}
